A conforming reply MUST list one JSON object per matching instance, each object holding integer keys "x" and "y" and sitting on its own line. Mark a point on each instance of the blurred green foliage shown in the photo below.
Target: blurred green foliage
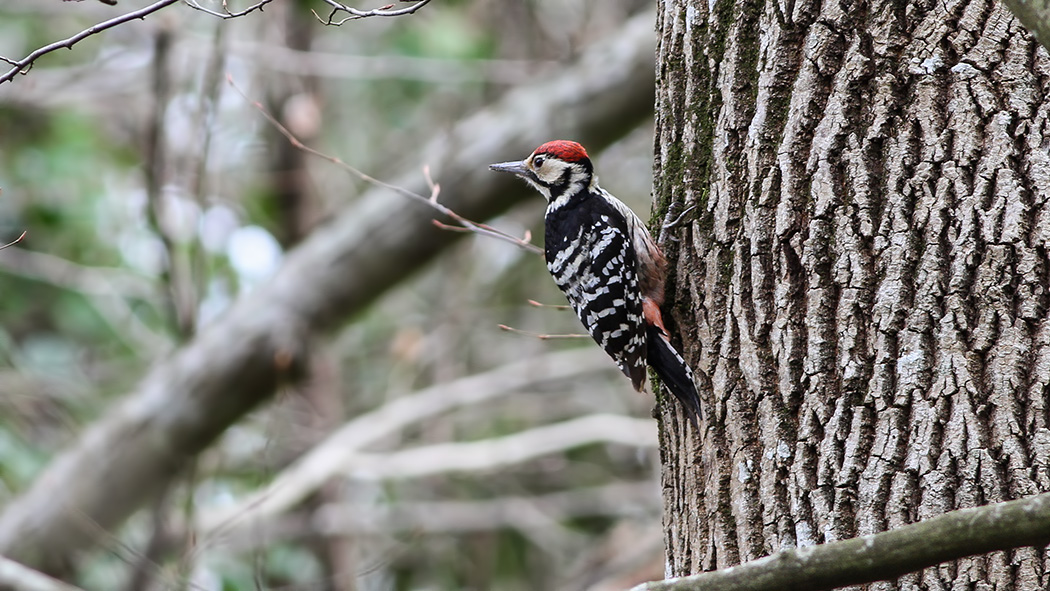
{"x": 89, "y": 299}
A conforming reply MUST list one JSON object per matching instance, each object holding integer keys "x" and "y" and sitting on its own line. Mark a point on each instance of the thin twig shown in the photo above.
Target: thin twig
{"x": 355, "y": 14}
{"x": 543, "y": 337}
{"x": 17, "y": 576}
{"x": 536, "y": 304}
{"x": 430, "y": 200}
{"x": 22, "y": 66}
{"x": 16, "y": 240}
{"x": 226, "y": 13}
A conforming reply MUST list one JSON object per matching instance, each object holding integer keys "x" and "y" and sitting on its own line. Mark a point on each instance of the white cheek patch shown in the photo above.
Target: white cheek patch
{"x": 550, "y": 176}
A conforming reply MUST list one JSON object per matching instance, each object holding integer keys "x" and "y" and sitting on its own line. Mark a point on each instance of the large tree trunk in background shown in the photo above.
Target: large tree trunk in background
{"x": 863, "y": 285}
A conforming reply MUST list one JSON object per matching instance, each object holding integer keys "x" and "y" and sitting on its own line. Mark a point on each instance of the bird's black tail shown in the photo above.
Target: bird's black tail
{"x": 673, "y": 372}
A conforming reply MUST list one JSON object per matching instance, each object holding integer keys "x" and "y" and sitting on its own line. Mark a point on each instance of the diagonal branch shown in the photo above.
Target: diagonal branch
{"x": 621, "y": 499}
{"x": 497, "y": 452}
{"x": 434, "y": 189}
{"x": 18, "y": 577}
{"x": 15, "y": 241}
{"x": 462, "y": 457}
{"x": 324, "y": 461}
{"x": 234, "y": 364}
{"x": 21, "y": 66}
{"x": 883, "y": 556}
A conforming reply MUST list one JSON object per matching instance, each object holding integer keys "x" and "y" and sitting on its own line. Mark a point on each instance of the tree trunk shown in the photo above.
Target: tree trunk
{"x": 862, "y": 286}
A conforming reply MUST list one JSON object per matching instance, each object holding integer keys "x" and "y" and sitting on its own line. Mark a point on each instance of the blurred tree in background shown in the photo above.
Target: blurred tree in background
{"x": 185, "y": 262}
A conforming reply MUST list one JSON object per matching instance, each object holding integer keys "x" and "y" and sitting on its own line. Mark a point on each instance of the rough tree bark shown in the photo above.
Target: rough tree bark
{"x": 863, "y": 283}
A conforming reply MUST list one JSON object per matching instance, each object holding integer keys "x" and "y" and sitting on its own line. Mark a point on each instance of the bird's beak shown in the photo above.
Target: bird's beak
{"x": 516, "y": 167}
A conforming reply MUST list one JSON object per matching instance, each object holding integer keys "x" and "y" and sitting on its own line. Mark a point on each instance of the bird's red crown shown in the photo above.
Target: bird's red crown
{"x": 563, "y": 150}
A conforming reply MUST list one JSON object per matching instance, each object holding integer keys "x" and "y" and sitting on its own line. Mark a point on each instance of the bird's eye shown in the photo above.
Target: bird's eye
{"x": 537, "y": 161}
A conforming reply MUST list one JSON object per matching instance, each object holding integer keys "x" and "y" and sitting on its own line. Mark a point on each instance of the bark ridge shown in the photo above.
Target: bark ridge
{"x": 864, "y": 286}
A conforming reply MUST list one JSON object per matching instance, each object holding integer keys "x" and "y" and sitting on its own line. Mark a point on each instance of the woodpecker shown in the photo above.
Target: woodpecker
{"x": 602, "y": 257}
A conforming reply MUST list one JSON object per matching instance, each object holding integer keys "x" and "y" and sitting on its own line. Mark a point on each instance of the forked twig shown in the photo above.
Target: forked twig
{"x": 22, "y": 66}
{"x": 226, "y": 12}
{"x": 355, "y": 13}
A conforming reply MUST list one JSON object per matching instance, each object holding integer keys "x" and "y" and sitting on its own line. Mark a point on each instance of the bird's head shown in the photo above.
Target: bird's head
{"x": 556, "y": 168}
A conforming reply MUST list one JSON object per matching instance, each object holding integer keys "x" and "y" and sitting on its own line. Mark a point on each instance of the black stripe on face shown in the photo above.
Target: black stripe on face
{"x": 564, "y": 180}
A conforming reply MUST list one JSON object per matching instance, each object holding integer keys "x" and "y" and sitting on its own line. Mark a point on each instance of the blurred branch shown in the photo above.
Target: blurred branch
{"x": 500, "y": 452}
{"x": 393, "y": 67}
{"x": 1035, "y": 16}
{"x": 440, "y": 517}
{"x": 495, "y": 453}
{"x": 87, "y": 280}
{"x": 104, "y": 287}
{"x": 174, "y": 277}
{"x": 354, "y": 13}
{"x": 18, "y": 577}
{"x": 189, "y": 398}
{"x": 327, "y": 459}
{"x": 612, "y": 500}
{"x": 883, "y": 556}
{"x": 118, "y": 74}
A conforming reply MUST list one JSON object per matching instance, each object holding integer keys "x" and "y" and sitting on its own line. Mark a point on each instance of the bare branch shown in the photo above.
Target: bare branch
{"x": 16, "y": 240}
{"x": 621, "y": 500}
{"x": 396, "y": 67}
{"x": 883, "y": 556}
{"x": 355, "y": 14}
{"x": 18, "y": 577}
{"x": 88, "y": 280}
{"x": 226, "y": 13}
{"x": 324, "y": 461}
{"x": 543, "y": 337}
{"x": 536, "y": 304}
{"x": 522, "y": 513}
{"x": 106, "y": 288}
{"x": 500, "y": 452}
{"x": 22, "y": 66}
{"x": 431, "y": 200}
{"x": 476, "y": 456}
